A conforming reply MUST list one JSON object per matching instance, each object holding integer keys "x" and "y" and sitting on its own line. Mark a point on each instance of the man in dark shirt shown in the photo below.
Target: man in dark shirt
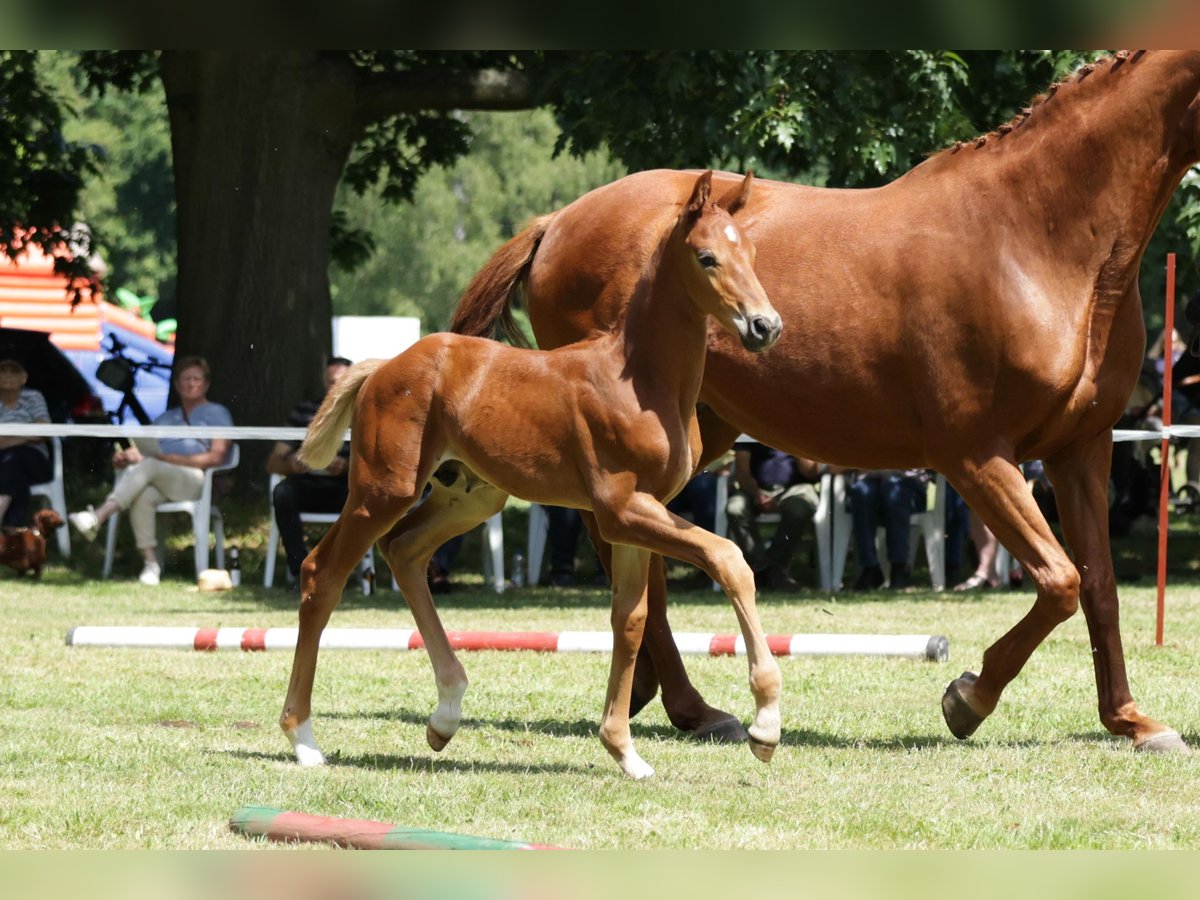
{"x": 304, "y": 490}
{"x": 770, "y": 481}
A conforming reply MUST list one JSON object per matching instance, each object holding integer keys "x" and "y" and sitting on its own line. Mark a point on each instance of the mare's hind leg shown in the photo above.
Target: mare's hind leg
{"x": 996, "y": 490}
{"x": 1081, "y": 488}
{"x": 629, "y": 570}
{"x": 322, "y": 578}
{"x": 458, "y": 502}
{"x": 659, "y": 661}
{"x": 644, "y": 522}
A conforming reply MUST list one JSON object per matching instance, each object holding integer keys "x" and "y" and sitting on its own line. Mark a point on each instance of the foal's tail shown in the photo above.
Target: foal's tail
{"x": 487, "y": 301}
{"x": 326, "y": 430}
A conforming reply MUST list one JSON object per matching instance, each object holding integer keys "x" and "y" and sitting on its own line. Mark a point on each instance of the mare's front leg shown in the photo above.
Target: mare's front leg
{"x": 659, "y": 661}
{"x": 996, "y": 490}
{"x": 1081, "y": 488}
{"x": 644, "y": 522}
{"x": 629, "y": 571}
{"x": 448, "y": 511}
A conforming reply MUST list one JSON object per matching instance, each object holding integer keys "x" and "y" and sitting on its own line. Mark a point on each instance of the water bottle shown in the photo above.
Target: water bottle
{"x": 235, "y": 567}
{"x": 518, "y": 570}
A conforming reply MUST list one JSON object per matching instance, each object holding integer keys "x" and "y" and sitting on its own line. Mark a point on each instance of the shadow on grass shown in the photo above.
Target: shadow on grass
{"x": 399, "y": 762}
{"x": 587, "y": 728}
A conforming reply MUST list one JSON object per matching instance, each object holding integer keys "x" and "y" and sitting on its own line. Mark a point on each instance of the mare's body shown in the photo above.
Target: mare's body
{"x": 607, "y": 426}
{"x": 979, "y": 311}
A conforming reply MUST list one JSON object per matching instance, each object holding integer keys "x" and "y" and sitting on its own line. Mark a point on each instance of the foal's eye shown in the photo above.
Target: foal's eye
{"x": 706, "y": 259}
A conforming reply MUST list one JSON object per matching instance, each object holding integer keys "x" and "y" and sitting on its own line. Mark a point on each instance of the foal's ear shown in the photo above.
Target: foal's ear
{"x": 739, "y": 196}
{"x": 700, "y": 194}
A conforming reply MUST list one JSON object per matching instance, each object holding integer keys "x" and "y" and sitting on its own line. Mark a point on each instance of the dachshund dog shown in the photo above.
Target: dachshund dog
{"x": 24, "y": 549}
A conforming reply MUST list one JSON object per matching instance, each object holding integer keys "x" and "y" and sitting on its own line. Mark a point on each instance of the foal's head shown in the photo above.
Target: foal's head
{"x": 718, "y": 266}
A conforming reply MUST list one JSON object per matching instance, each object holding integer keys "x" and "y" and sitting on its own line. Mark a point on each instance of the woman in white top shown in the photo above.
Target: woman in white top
{"x": 24, "y": 461}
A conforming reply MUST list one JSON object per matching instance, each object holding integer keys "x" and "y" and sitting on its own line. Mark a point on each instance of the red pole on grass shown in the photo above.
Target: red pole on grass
{"x": 1164, "y": 492}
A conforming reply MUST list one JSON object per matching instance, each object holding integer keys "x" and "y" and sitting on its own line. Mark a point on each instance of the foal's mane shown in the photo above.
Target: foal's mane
{"x": 1106, "y": 65}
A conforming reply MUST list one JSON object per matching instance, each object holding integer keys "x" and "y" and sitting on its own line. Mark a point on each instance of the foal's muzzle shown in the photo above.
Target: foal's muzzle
{"x": 759, "y": 332}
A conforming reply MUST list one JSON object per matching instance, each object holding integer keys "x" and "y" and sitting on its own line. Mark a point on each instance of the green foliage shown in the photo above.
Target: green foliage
{"x": 42, "y": 172}
{"x": 427, "y": 251}
{"x": 130, "y": 201}
{"x": 846, "y": 118}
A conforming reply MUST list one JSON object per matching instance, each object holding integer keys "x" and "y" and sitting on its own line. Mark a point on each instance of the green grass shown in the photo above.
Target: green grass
{"x": 129, "y": 748}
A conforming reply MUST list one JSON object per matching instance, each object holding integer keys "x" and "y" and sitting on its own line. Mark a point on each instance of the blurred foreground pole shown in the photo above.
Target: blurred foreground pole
{"x": 1164, "y": 492}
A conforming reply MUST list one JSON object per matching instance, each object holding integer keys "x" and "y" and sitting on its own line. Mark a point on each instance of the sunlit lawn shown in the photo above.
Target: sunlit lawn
{"x": 142, "y": 748}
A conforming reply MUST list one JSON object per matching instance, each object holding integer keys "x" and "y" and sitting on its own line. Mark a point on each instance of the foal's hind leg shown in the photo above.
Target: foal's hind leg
{"x": 1081, "y": 489}
{"x": 322, "y": 578}
{"x": 996, "y": 490}
{"x": 629, "y": 570}
{"x": 449, "y": 510}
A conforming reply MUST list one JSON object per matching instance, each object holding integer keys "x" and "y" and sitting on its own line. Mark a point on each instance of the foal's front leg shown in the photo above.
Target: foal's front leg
{"x": 630, "y": 569}
{"x": 646, "y": 523}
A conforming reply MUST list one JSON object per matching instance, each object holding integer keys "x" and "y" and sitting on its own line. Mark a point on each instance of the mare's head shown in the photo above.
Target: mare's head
{"x": 717, "y": 262}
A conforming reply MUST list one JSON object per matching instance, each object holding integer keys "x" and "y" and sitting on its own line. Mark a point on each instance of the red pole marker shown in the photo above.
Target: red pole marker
{"x": 932, "y": 647}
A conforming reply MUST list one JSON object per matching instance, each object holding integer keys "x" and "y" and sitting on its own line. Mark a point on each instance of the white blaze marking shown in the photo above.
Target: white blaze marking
{"x": 731, "y": 233}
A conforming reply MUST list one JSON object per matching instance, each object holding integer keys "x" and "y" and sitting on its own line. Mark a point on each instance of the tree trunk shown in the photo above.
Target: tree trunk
{"x": 260, "y": 139}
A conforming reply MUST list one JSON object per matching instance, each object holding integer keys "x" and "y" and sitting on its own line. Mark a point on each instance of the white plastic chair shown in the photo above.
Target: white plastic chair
{"x": 205, "y": 516}
{"x": 929, "y": 525}
{"x": 54, "y": 490}
{"x": 274, "y": 540}
{"x": 831, "y": 523}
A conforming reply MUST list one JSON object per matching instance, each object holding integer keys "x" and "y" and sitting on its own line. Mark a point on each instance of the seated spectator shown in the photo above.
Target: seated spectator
{"x": 986, "y": 546}
{"x": 888, "y": 498}
{"x": 441, "y": 564}
{"x": 766, "y": 480}
{"x": 564, "y": 528}
{"x": 698, "y": 501}
{"x": 176, "y": 474}
{"x": 24, "y": 461}
{"x": 302, "y": 489}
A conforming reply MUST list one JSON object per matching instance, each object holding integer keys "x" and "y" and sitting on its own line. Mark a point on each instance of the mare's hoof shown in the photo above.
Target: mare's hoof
{"x": 960, "y": 718}
{"x": 436, "y": 742}
{"x": 762, "y": 751}
{"x": 1163, "y": 742}
{"x": 722, "y": 731}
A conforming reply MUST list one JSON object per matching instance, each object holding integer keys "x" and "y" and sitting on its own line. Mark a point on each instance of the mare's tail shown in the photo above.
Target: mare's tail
{"x": 326, "y": 430}
{"x": 487, "y": 301}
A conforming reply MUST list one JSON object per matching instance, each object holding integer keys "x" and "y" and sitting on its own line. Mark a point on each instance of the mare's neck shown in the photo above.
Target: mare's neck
{"x": 664, "y": 337}
{"x": 1096, "y": 164}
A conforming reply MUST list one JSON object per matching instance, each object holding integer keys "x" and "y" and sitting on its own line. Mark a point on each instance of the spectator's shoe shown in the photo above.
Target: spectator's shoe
{"x": 151, "y": 574}
{"x": 85, "y": 523}
{"x": 774, "y": 578}
{"x": 901, "y": 577}
{"x": 869, "y": 579}
{"x": 562, "y": 579}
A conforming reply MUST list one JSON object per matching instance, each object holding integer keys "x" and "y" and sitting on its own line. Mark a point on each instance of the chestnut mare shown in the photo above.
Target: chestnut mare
{"x": 607, "y": 425}
{"x": 979, "y": 311}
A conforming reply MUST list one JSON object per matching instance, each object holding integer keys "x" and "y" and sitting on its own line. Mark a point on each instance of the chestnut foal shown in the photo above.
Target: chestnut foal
{"x": 606, "y": 425}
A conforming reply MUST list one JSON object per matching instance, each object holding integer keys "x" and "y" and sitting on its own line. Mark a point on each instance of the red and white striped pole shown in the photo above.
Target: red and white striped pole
{"x": 912, "y": 646}
{"x": 1164, "y": 492}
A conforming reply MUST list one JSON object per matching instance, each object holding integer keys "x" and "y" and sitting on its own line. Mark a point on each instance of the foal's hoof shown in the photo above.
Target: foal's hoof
{"x": 762, "y": 751}
{"x": 722, "y": 731}
{"x": 1163, "y": 742}
{"x": 960, "y": 718}
{"x": 436, "y": 742}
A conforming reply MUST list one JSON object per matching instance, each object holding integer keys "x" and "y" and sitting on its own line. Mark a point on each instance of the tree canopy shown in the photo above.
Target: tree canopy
{"x": 281, "y": 161}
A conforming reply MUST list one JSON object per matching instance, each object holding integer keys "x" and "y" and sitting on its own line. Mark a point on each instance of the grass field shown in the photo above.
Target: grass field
{"x": 155, "y": 749}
